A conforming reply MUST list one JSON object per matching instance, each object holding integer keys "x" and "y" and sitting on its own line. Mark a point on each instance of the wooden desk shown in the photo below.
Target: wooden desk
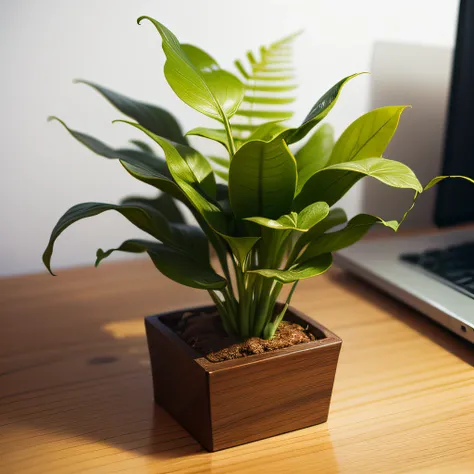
{"x": 76, "y": 396}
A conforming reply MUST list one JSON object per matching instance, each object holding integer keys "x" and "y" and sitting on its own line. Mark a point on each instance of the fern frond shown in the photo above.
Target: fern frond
{"x": 269, "y": 80}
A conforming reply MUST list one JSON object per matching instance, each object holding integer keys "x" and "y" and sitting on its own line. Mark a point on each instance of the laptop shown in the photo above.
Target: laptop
{"x": 434, "y": 272}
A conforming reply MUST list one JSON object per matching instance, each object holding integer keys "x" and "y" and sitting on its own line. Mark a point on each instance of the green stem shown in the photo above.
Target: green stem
{"x": 230, "y": 138}
{"x": 227, "y": 320}
{"x": 272, "y": 326}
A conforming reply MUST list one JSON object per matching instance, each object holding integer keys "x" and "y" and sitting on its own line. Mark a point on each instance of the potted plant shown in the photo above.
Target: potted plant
{"x": 248, "y": 366}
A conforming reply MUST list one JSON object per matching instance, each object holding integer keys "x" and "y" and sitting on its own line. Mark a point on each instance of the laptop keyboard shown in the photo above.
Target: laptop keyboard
{"x": 454, "y": 265}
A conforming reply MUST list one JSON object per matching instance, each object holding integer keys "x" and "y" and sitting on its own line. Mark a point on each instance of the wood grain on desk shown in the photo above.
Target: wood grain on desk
{"x": 76, "y": 391}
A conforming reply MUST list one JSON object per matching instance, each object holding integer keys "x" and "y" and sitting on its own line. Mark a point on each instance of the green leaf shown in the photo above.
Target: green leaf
{"x": 436, "y": 180}
{"x": 176, "y": 265}
{"x": 143, "y": 146}
{"x": 332, "y": 182}
{"x": 315, "y": 154}
{"x": 149, "y": 175}
{"x": 153, "y": 118}
{"x": 262, "y": 180}
{"x": 133, "y": 157}
{"x": 299, "y": 271}
{"x": 164, "y": 203}
{"x": 368, "y": 136}
{"x": 222, "y": 174}
{"x": 301, "y": 222}
{"x": 190, "y": 170}
{"x": 335, "y": 217}
{"x": 193, "y": 168}
{"x": 218, "y": 160}
{"x": 211, "y": 90}
{"x": 241, "y": 247}
{"x": 219, "y": 136}
{"x": 267, "y": 132}
{"x": 142, "y": 216}
{"x": 319, "y": 110}
{"x": 355, "y": 229}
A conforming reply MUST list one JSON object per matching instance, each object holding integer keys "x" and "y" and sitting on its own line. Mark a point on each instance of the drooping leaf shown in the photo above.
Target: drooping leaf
{"x": 332, "y": 182}
{"x": 301, "y": 222}
{"x": 355, "y": 229}
{"x": 262, "y": 180}
{"x": 190, "y": 171}
{"x": 211, "y": 91}
{"x": 335, "y": 217}
{"x": 368, "y": 136}
{"x": 299, "y": 271}
{"x": 145, "y": 218}
{"x": 438, "y": 179}
{"x": 315, "y": 154}
{"x": 149, "y": 175}
{"x": 133, "y": 157}
{"x": 192, "y": 168}
{"x": 176, "y": 265}
{"x": 153, "y": 118}
{"x": 164, "y": 203}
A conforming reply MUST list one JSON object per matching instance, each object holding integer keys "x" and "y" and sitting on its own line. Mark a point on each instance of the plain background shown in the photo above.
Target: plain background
{"x": 45, "y": 44}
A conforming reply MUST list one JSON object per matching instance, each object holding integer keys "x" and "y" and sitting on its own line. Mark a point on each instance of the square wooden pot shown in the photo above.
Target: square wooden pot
{"x": 224, "y": 404}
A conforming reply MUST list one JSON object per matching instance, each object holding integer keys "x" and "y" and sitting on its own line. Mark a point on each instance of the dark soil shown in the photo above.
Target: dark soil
{"x": 204, "y": 333}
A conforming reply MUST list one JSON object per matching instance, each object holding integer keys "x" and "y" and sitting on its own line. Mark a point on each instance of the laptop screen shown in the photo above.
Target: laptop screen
{"x": 455, "y": 199}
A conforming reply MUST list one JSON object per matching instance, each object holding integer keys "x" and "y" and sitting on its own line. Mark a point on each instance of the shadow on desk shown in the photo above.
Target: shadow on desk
{"x": 412, "y": 318}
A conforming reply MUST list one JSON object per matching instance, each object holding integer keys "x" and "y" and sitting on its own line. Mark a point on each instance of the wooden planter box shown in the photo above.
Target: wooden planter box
{"x": 224, "y": 404}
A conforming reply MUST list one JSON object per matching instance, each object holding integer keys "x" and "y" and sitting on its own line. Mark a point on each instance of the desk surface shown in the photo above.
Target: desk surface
{"x": 76, "y": 395}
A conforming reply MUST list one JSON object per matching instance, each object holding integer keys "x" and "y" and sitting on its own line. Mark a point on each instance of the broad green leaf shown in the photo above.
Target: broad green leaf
{"x": 144, "y": 217}
{"x": 213, "y": 92}
{"x": 332, "y": 182}
{"x": 355, "y": 229}
{"x": 301, "y": 222}
{"x": 335, "y": 217}
{"x": 219, "y": 136}
{"x": 192, "y": 168}
{"x": 262, "y": 180}
{"x": 307, "y": 269}
{"x": 134, "y": 157}
{"x": 189, "y": 171}
{"x": 164, "y": 203}
{"x": 319, "y": 110}
{"x": 368, "y": 136}
{"x": 153, "y": 118}
{"x": 315, "y": 154}
{"x": 176, "y": 265}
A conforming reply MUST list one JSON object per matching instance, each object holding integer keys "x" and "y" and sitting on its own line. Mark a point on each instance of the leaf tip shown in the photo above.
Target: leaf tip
{"x": 143, "y": 17}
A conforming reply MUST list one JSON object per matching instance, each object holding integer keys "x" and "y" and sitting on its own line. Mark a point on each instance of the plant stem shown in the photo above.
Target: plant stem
{"x": 227, "y": 320}
{"x": 230, "y": 138}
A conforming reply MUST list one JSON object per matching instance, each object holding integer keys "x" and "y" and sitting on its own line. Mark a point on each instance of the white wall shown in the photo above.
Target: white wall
{"x": 45, "y": 44}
